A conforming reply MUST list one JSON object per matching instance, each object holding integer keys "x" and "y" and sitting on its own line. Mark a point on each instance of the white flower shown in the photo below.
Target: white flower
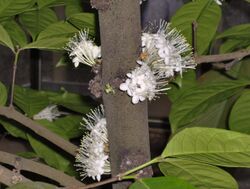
{"x": 170, "y": 53}
{"x": 143, "y": 84}
{"x": 50, "y": 113}
{"x": 219, "y": 2}
{"x": 83, "y": 50}
{"x": 92, "y": 157}
{"x": 142, "y": 1}
{"x": 147, "y": 41}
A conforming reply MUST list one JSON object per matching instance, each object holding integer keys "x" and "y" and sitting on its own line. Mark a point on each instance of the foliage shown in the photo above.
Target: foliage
{"x": 206, "y": 111}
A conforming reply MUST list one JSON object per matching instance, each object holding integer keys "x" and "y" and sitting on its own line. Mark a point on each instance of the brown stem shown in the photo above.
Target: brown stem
{"x": 222, "y": 57}
{"x": 194, "y": 37}
{"x": 65, "y": 145}
{"x": 13, "y": 78}
{"x": 6, "y": 176}
{"x": 39, "y": 168}
{"x": 96, "y": 184}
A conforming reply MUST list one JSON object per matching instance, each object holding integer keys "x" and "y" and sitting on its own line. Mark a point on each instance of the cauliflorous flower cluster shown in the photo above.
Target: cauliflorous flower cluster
{"x": 143, "y": 83}
{"x": 93, "y": 157}
{"x": 164, "y": 53}
{"x": 83, "y": 50}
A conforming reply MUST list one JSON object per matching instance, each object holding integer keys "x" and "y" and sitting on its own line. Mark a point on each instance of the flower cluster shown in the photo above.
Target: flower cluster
{"x": 143, "y": 83}
{"x": 83, "y": 50}
{"x": 49, "y": 113}
{"x": 165, "y": 52}
{"x": 92, "y": 158}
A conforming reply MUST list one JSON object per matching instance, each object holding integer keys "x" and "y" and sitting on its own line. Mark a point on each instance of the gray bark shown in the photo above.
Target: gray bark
{"x": 127, "y": 123}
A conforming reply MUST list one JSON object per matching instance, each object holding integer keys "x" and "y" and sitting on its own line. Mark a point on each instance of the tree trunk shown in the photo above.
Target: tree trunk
{"x": 127, "y": 123}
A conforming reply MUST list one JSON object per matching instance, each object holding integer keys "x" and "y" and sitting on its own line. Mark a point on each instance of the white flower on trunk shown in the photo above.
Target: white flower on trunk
{"x": 170, "y": 53}
{"x": 50, "y": 113}
{"x": 83, "y": 50}
{"x": 93, "y": 157}
{"x": 142, "y": 83}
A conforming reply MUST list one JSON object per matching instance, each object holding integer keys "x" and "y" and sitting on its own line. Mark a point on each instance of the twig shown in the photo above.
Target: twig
{"x": 194, "y": 37}
{"x": 39, "y": 168}
{"x": 222, "y": 57}
{"x": 65, "y": 145}
{"x": 13, "y": 78}
{"x": 6, "y": 176}
{"x": 96, "y": 184}
{"x": 122, "y": 176}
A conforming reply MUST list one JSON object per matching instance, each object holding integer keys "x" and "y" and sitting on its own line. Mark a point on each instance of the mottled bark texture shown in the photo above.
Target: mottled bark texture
{"x": 127, "y": 123}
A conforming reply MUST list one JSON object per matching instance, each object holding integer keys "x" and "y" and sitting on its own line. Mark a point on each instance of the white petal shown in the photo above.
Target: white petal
{"x": 135, "y": 99}
{"x": 123, "y": 87}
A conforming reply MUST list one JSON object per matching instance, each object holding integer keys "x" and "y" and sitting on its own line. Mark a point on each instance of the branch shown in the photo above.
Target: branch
{"x": 194, "y": 37}
{"x": 6, "y": 177}
{"x": 222, "y": 57}
{"x": 38, "y": 168}
{"x": 96, "y": 184}
{"x": 65, "y": 145}
{"x": 13, "y": 78}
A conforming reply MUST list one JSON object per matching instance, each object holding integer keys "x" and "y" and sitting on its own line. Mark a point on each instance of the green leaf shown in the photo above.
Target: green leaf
{"x": 73, "y": 102}
{"x": 50, "y": 156}
{"x": 73, "y": 7}
{"x": 83, "y": 21}
{"x": 70, "y": 126}
{"x": 195, "y": 101}
{"x": 215, "y": 116}
{"x": 27, "y": 155}
{"x": 233, "y": 44}
{"x": 161, "y": 183}
{"x": 37, "y": 20}
{"x": 52, "y": 127}
{"x": 236, "y": 32}
{"x": 3, "y": 94}
{"x": 212, "y": 146}
{"x": 67, "y": 127}
{"x": 5, "y": 38}
{"x": 188, "y": 80}
{"x": 54, "y": 43}
{"x": 239, "y": 119}
{"x": 32, "y": 185}
{"x": 241, "y": 69}
{"x": 30, "y": 101}
{"x": 58, "y": 30}
{"x": 14, "y": 128}
{"x": 213, "y": 76}
{"x": 46, "y": 3}
{"x": 14, "y": 7}
{"x": 15, "y": 32}
{"x": 206, "y": 13}
{"x": 202, "y": 176}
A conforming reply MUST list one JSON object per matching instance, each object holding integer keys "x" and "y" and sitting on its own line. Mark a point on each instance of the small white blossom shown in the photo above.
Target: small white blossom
{"x": 141, "y": 1}
{"x": 83, "y": 50}
{"x": 92, "y": 158}
{"x": 170, "y": 50}
{"x": 143, "y": 84}
{"x": 219, "y": 2}
{"x": 147, "y": 41}
{"x": 50, "y": 113}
